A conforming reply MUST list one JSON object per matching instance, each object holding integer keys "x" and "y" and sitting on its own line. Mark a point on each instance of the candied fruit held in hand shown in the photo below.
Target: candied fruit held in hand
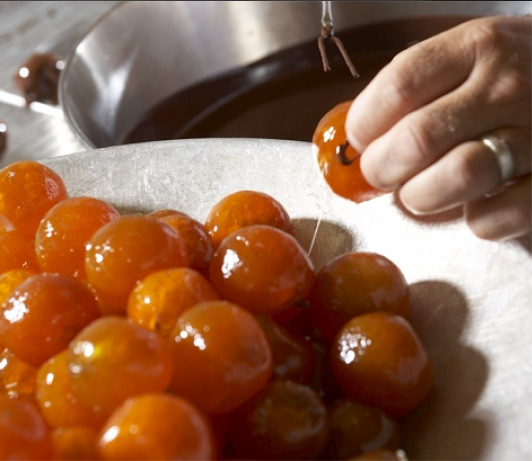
{"x": 127, "y": 249}
{"x": 221, "y": 356}
{"x": 64, "y": 232}
{"x": 23, "y": 433}
{"x": 17, "y": 251}
{"x": 378, "y": 359}
{"x": 198, "y": 242}
{"x": 113, "y": 359}
{"x": 27, "y": 191}
{"x": 157, "y": 426}
{"x": 161, "y": 297}
{"x": 329, "y": 140}
{"x": 356, "y": 428}
{"x": 286, "y": 420}
{"x": 43, "y": 314}
{"x": 261, "y": 268}
{"x": 58, "y": 402}
{"x": 245, "y": 208}
{"x": 356, "y": 283}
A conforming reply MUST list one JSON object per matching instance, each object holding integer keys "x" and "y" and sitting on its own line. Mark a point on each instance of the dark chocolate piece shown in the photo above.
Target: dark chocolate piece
{"x": 38, "y": 77}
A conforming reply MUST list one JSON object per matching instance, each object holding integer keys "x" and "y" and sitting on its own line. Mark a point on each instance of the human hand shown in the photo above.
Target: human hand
{"x": 419, "y": 121}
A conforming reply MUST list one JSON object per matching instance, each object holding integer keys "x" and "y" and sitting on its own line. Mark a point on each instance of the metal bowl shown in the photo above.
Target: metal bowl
{"x": 470, "y": 298}
{"x": 143, "y": 52}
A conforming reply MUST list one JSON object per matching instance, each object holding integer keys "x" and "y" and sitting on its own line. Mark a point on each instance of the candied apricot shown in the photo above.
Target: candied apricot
{"x": 378, "y": 359}
{"x": 17, "y": 379}
{"x": 113, "y": 359}
{"x": 286, "y": 420}
{"x": 356, "y": 428}
{"x": 353, "y": 284}
{"x": 58, "y": 402}
{"x": 10, "y": 280}
{"x": 293, "y": 357}
{"x": 160, "y": 298}
{"x": 221, "y": 356}
{"x": 27, "y": 191}
{"x": 245, "y": 208}
{"x": 157, "y": 426}
{"x": 64, "y": 231}
{"x": 127, "y": 249}
{"x": 43, "y": 314}
{"x": 329, "y": 140}
{"x": 196, "y": 238}
{"x": 23, "y": 432}
{"x": 261, "y": 268}
{"x": 17, "y": 251}
{"x": 75, "y": 443}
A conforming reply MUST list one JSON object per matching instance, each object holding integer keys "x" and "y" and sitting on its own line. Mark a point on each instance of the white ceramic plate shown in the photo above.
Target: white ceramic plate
{"x": 472, "y": 299}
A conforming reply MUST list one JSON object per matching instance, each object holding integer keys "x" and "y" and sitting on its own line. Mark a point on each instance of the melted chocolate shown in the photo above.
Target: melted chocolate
{"x": 38, "y": 77}
{"x": 3, "y": 137}
{"x": 284, "y": 95}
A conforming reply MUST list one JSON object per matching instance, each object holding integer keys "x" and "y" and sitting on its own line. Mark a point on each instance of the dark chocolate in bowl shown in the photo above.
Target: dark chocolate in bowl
{"x": 284, "y": 95}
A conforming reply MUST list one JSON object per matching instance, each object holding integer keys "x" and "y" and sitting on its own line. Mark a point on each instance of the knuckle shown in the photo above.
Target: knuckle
{"x": 401, "y": 87}
{"x": 512, "y": 87}
{"x": 486, "y": 36}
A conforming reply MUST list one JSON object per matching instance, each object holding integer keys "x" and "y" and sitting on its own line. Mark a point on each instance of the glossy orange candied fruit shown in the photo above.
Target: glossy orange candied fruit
{"x": 379, "y": 360}
{"x": 293, "y": 357}
{"x": 221, "y": 356}
{"x": 23, "y": 433}
{"x": 10, "y": 279}
{"x": 64, "y": 232}
{"x": 59, "y": 404}
{"x": 27, "y": 191}
{"x": 329, "y": 138}
{"x": 5, "y": 224}
{"x": 357, "y": 283}
{"x": 355, "y": 429}
{"x": 127, "y": 249}
{"x": 198, "y": 241}
{"x": 245, "y": 208}
{"x": 145, "y": 336}
{"x": 17, "y": 378}
{"x": 157, "y": 426}
{"x": 17, "y": 251}
{"x": 262, "y": 268}
{"x": 161, "y": 297}
{"x": 113, "y": 359}
{"x": 286, "y": 420}
{"x": 43, "y": 314}
{"x": 75, "y": 443}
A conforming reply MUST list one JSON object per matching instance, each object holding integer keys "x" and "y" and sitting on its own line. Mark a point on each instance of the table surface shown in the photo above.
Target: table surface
{"x": 39, "y": 131}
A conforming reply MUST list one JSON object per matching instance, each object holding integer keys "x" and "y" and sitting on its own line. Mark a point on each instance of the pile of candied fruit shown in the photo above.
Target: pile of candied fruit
{"x": 156, "y": 336}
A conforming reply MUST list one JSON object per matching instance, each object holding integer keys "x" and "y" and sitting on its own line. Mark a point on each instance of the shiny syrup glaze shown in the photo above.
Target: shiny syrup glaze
{"x": 284, "y": 95}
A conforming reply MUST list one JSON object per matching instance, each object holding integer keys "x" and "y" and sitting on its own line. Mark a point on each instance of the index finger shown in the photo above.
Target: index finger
{"x": 415, "y": 77}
